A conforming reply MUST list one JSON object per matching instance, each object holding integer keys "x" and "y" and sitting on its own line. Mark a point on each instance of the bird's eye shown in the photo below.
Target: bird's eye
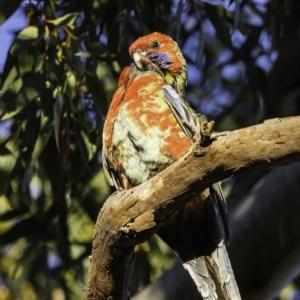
{"x": 155, "y": 44}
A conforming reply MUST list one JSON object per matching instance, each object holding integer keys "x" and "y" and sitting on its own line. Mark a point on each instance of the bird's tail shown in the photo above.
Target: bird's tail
{"x": 213, "y": 275}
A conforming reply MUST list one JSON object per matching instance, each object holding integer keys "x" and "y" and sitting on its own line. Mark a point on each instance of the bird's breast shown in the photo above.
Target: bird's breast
{"x": 146, "y": 136}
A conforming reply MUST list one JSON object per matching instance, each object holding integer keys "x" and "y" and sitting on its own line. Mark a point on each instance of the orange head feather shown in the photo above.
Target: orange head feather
{"x": 163, "y": 51}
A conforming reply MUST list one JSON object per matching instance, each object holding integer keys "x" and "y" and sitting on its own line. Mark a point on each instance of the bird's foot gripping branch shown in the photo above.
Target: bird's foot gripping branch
{"x": 202, "y": 134}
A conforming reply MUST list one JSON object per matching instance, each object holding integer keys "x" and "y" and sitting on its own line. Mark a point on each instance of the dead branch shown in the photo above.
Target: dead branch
{"x": 131, "y": 217}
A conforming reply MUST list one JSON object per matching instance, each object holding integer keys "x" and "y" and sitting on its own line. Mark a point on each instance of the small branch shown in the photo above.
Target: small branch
{"x": 131, "y": 217}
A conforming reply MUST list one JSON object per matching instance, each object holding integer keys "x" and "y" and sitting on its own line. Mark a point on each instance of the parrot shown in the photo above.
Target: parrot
{"x": 149, "y": 126}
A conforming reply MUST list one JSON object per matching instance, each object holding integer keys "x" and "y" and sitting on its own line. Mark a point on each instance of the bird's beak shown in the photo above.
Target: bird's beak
{"x": 139, "y": 58}
{"x": 144, "y": 63}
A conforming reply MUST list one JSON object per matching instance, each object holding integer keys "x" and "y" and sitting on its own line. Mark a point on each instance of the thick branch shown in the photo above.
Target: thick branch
{"x": 130, "y": 217}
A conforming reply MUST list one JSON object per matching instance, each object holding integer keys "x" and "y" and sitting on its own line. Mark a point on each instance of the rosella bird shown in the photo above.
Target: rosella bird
{"x": 148, "y": 127}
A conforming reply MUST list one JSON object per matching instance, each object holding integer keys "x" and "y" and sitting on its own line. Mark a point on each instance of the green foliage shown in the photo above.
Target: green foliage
{"x": 59, "y": 76}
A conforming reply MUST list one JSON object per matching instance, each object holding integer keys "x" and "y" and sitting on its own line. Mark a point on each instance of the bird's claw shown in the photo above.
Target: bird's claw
{"x": 206, "y": 129}
{"x": 202, "y": 137}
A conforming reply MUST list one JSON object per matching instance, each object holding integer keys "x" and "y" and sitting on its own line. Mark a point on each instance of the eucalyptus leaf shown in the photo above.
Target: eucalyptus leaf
{"x": 10, "y": 63}
{"x": 9, "y": 79}
{"x": 91, "y": 148}
{"x": 83, "y": 54}
{"x": 58, "y": 108}
{"x": 10, "y": 94}
{"x": 8, "y": 158}
{"x": 27, "y": 178}
{"x": 30, "y": 90}
{"x": 26, "y": 60}
{"x": 82, "y": 144}
{"x": 67, "y": 19}
{"x": 24, "y": 39}
{"x": 46, "y": 128}
{"x": 70, "y": 85}
{"x": 49, "y": 9}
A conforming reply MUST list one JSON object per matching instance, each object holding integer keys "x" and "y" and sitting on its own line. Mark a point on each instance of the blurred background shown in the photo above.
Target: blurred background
{"x": 59, "y": 64}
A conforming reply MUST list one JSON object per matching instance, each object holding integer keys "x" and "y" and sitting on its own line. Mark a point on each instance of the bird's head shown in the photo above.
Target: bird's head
{"x": 164, "y": 52}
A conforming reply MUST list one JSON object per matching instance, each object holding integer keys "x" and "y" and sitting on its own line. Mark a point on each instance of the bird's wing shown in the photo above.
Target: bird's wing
{"x": 181, "y": 110}
{"x": 187, "y": 116}
{"x": 110, "y": 173}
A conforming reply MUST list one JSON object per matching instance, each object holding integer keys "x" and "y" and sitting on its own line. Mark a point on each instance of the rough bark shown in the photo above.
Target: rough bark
{"x": 130, "y": 217}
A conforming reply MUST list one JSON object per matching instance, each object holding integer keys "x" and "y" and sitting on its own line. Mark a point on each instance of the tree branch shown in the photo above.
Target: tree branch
{"x": 131, "y": 217}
